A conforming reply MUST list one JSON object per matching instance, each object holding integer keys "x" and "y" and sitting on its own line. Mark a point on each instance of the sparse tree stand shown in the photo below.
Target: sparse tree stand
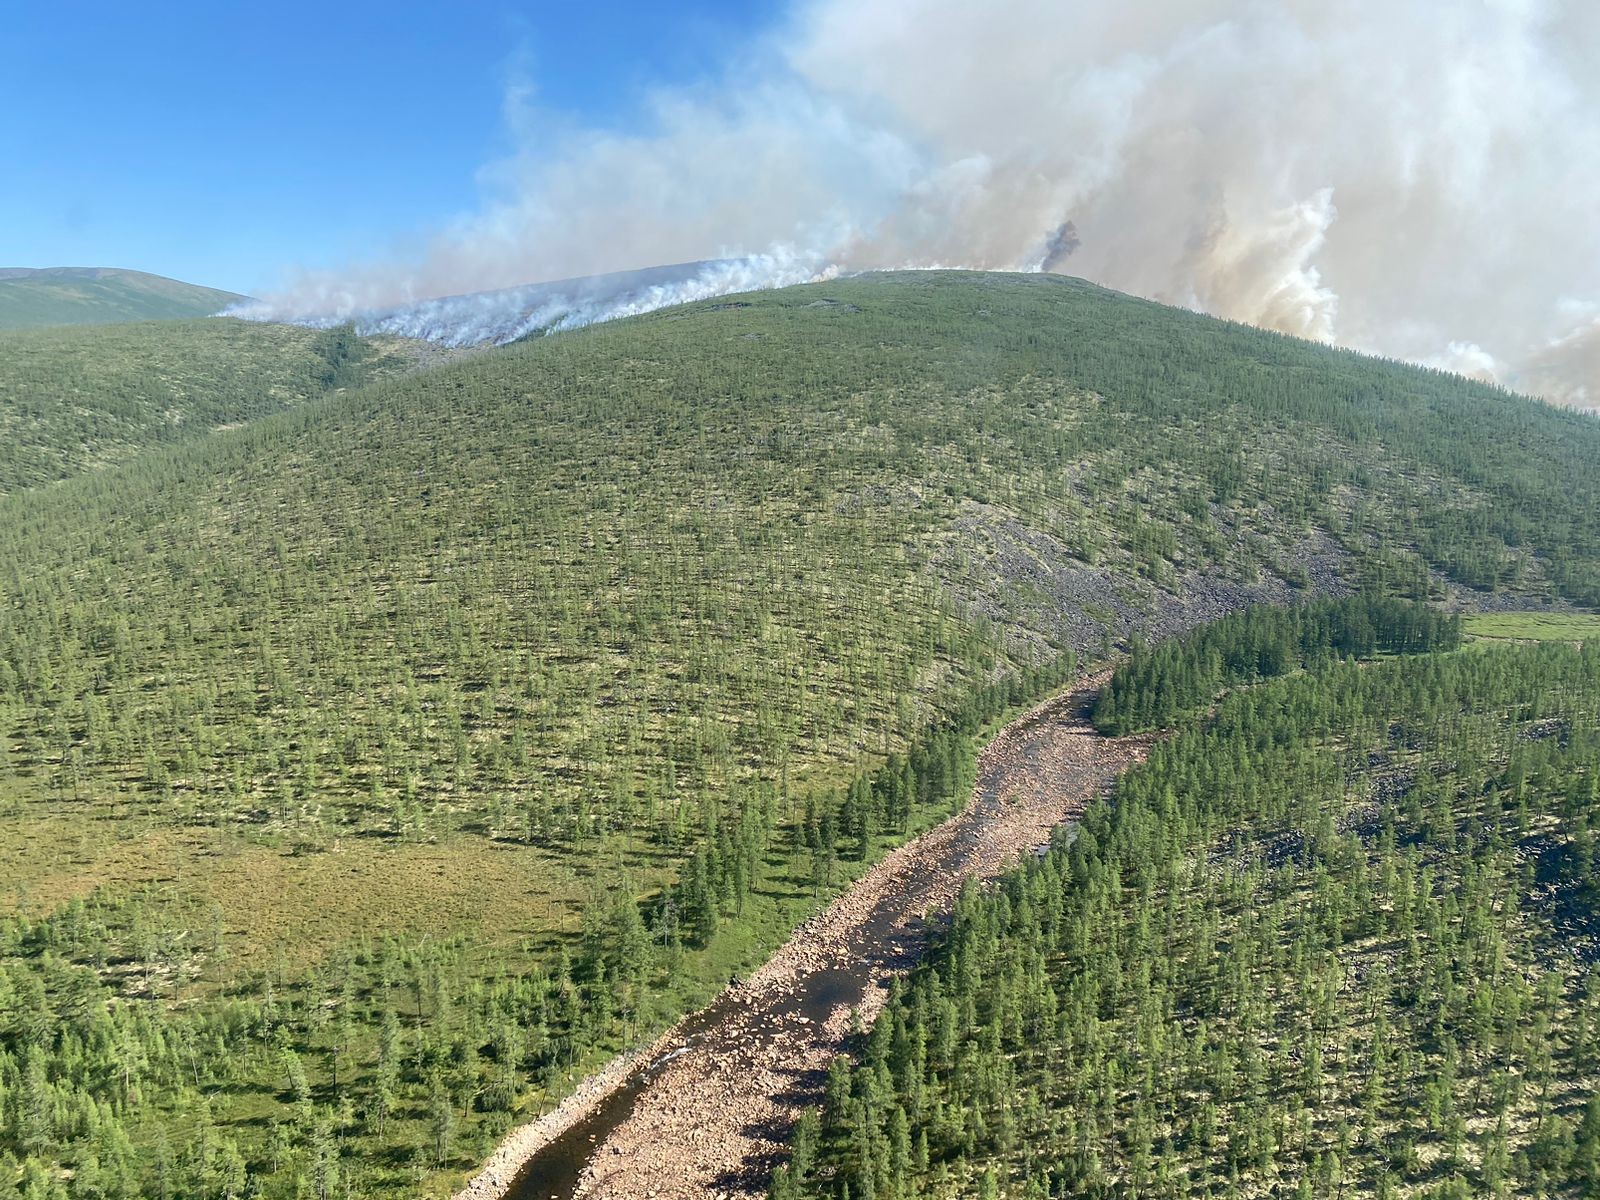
{"x": 576, "y": 611}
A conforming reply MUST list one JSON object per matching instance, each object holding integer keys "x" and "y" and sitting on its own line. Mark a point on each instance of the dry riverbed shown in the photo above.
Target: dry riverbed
{"x": 715, "y": 1097}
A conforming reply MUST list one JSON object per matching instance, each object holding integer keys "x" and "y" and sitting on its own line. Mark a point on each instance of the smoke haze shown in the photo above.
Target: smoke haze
{"x": 1410, "y": 177}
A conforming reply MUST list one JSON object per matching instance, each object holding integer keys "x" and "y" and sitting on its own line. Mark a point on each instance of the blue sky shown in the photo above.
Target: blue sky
{"x": 223, "y": 143}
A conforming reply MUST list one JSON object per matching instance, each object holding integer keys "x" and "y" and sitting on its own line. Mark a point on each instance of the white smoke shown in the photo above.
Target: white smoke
{"x": 1411, "y": 177}
{"x": 1567, "y": 370}
{"x": 507, "y": 314}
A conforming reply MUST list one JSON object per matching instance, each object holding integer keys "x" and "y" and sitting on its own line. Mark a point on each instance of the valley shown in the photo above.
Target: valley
{"x": 395, "y": 739}
{"x": 708, "y": 1107}
{"x": 800, "y": 600}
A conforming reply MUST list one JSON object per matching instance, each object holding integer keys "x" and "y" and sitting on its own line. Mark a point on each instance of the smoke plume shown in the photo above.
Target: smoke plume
{"x": 1409, "y": 177}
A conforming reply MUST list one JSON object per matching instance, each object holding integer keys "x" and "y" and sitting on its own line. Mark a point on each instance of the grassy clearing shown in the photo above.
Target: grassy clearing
{"x": 1534, "y": 626}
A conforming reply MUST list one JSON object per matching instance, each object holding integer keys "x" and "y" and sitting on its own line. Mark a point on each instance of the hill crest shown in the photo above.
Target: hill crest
{"x": 35, "y": 297}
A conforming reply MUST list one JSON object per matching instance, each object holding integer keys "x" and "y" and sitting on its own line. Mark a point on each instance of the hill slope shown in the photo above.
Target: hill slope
{"x": 80, "y": 398}
{"x": 31, "y": 298}
{"x": 419, "y": 688}
{"x": 1340, "y": 940}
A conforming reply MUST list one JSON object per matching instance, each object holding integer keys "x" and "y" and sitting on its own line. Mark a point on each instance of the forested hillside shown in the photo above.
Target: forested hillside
{"x": 1178, "y": 679}
{"x": 1339, "y": 940}
{"x": 32, "y": 298}
{"x": 82, "y": 398}
{"x": 392, "y": 756}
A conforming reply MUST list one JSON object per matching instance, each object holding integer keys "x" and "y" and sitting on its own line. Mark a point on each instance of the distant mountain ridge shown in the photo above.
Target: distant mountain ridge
{"x": 35, "y": 297}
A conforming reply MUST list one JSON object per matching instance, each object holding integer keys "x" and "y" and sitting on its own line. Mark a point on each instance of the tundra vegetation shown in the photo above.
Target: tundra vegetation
{"x": 372, "y": 769}
{"x": 37, "y": 298}
{"x": 1534, "y": 626}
